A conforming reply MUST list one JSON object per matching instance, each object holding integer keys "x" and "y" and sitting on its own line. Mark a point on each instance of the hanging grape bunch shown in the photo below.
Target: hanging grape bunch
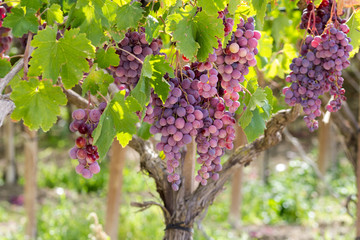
{"x": 132, "y": 51}
{"x": 85, "y": 121}
{"x": 199, "y": 106}
{"x": 319, "y": 68}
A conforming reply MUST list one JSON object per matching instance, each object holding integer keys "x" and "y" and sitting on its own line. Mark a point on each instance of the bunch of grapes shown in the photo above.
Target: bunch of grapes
{"x": 234, "y": 61}
{"x": 315, "y": 19}
{"x": 85, "y": 121}
{"x": 216, "y": 135}
{"x": 132, "y": 51}
{"x": 178, "y": 120}
{"x": 5, "y": 38}
{"x": 318, "y": 70}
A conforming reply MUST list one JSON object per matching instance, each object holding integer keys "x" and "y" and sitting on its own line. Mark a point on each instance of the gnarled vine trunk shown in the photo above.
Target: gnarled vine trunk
{"x": 180, "y": 209}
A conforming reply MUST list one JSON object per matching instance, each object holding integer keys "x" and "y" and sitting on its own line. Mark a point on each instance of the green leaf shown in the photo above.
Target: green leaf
{"x": 184, "y": 32}
{"x": 233, "y": 5}
{"x": 152, "y": 72}
{"x": 256, "y": 126}
{"x": 212, "y": 7}
{"x": 354, "y": 33}
{"x": 37, "y": 103}
{"x": 21, "y": 22}
{"x": 267, "y": 107}
{"x": 54, "y": 14}
{"x": 144, "y": 131}
{"x": 34, "y": 4}
{"x": 5, "y": 67}
{"x": 106, "y": 58}
{"x": 260, "y": 8}
{"x": 88, "y": 16}
{"x": 195, "y": 36}
{"x": 152, "y": 28}
{"x": 118, "y": 120}
{"x": 208, "y": 29}
{"x": 245, "y": 119}
{"x": 97, "y": 81}
{"x": 65, "y": 57}
{"x": 128, "y": 16}
{"x": 258, "y": 98}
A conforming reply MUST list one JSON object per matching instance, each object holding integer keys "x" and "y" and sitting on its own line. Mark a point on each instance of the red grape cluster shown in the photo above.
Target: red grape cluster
{"x": 234, "y": 61}
{"x": 5, "y": 38}
{"x": 315, "y": 19}
{"x": 85, "y": 121}
{"x": 132, "y": 51}
{"x": 318, "y": 70}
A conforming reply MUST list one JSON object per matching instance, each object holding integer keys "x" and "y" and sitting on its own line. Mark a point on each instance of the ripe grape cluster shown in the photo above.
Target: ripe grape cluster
{"x": 85, "y": 121}
{"x": 5, "y": 38}
{"x": 228, "y": 22}
{"x": 315, "y": 19}
{"x": 132, "y": 51}
{"x": 234, "y": 60}
{"x": 319, "y": 70}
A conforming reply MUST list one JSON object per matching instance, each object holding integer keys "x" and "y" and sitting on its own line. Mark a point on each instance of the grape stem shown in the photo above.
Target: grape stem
{"x": 132, "y": 55}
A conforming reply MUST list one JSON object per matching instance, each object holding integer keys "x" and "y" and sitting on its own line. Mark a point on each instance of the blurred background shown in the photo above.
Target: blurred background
{"x": 302, "y": 189}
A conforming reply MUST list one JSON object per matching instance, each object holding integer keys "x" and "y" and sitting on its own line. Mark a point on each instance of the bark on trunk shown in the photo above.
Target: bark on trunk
{"x": 178, "y": 234}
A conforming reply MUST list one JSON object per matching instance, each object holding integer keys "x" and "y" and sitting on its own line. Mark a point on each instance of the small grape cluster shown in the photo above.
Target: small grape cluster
{"x": 85, "y": 121}
{"x": 234, "y": 61}
{"x": 132, "y": 51}
{"x": 315, "y": 19}
{"x": 5, "y": 38}
{"x": 228, "y": 22}
{"x": 318, "y": 70}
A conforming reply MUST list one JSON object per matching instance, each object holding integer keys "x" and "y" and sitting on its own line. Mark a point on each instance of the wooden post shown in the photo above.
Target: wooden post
{"x": 236, "y": 184}
{"x": 358, "y": 182}
{"x": 189, "y": 168}
{"x": 31, "y": 150}
{"x": 10, "y": 170}
{"x": 324, "y": 144}
{"x": 117, "y": 162}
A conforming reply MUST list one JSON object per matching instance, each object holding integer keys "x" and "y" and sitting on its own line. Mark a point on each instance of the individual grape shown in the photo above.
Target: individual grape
{"x": 79, "y": 168}
{"x": 86, "y": 173}
{"x": 94, "y": 168}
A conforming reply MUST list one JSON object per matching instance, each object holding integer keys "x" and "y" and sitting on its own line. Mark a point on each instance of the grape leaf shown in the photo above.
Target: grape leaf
{"x": 152, "y": 28}
{"x": 233, "y": 5}
{"x": 106, "y": 58}
{"x": 34, "y": 4}
{"x": 129, "y": 15}
{"x": 54, "y": 14}
{"x": 21, "y": 22}
{"x": 109, "y": 10}
{"x": 257, "y": 99}
{"x": 260, "y": 8}
{"x": 195, "y": 36}
{"x": 354, "y": 33}
{"x": 88, "y": 16}
{"x": 184, "y": 32}
{"x": 144, "y": 131}
{"x": 212, "y": 7}
{"x": 97, "y": 81}
{"x": 5, "y": 67}
{"x": 153, "y": 70}
{"x": 208, "y": 29}
{"x": 256, "y": 126}
{"x": 118, "y": 120}
{"x": 66, "y": 56}
{"x": 37, "y": 103}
